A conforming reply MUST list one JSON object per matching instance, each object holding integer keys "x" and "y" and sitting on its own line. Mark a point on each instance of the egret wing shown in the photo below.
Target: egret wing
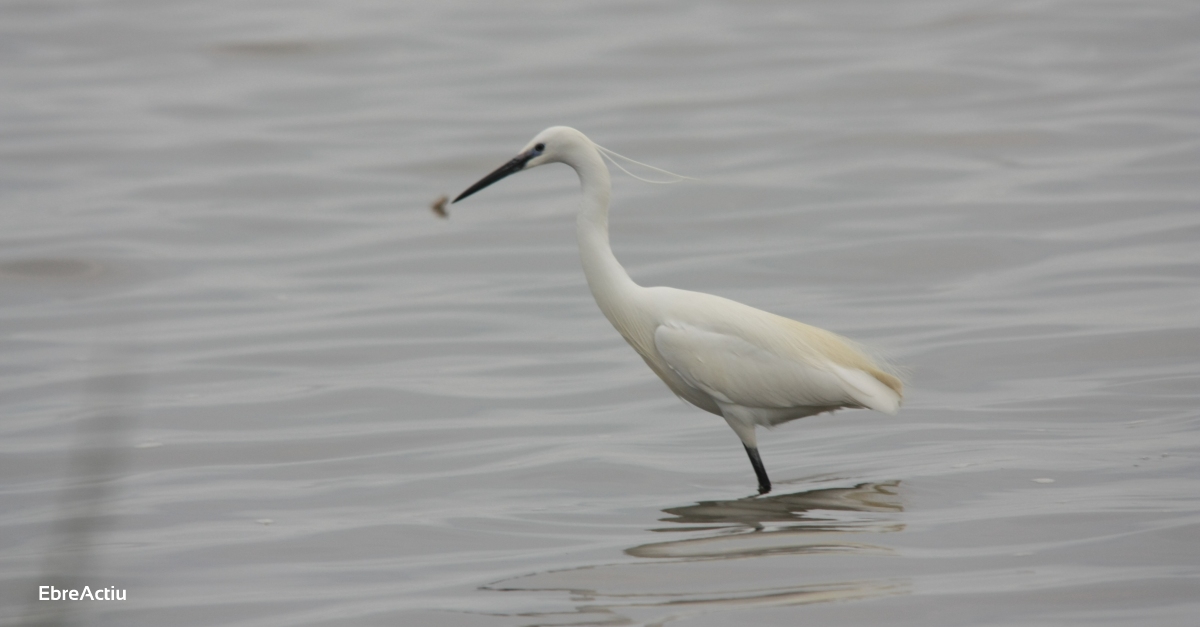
{"x": 736, "y": 371}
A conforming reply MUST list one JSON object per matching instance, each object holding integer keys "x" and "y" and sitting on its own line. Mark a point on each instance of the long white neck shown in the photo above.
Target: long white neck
{"x": 610, "y": 284}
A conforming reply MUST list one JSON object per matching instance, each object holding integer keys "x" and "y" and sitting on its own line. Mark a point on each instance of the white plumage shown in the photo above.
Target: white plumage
{"x": 752, "y": 367}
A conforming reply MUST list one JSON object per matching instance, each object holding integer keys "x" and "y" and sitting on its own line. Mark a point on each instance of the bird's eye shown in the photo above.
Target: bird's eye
{"x": 539, "y": 147}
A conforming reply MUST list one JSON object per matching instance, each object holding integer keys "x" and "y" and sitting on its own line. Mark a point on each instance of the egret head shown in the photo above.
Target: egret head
{"x": 553, "y": 145}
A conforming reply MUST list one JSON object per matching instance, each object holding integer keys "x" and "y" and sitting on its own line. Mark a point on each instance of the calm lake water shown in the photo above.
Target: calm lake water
{"x": 251, "y": 379}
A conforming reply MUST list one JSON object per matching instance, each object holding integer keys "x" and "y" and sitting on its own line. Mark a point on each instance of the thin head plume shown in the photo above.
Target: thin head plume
{"x": 612, "y": 158}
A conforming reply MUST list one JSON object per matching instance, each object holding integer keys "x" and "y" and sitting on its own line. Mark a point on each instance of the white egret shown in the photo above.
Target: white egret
{"x": 751, "y": 367}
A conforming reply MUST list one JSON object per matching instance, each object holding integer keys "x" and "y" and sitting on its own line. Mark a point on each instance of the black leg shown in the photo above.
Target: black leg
{"x": 764, "y": 483}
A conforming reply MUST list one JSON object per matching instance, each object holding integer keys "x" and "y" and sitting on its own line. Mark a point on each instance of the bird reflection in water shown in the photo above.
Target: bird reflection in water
{"x": 802, "y": 522}
{"x": 798, "y": 506}
{"x": 727, "y": 569}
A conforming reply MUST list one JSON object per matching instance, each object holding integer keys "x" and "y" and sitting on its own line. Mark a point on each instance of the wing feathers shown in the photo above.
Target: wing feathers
{"x": 778, "y": 376}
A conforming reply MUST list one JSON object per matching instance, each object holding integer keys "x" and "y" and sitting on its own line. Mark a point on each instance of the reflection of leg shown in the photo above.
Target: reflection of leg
{"x": 764, "y": 483}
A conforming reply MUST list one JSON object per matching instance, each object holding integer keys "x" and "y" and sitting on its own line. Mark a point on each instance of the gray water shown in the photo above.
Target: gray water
{"x": 251, "y": 379}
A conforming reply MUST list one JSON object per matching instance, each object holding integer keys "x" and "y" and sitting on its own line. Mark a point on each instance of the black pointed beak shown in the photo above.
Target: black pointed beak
{"x": 512, "y": 167}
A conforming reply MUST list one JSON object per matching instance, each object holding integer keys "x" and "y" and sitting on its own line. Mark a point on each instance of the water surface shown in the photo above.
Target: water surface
{"x": 252, "y": 379}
